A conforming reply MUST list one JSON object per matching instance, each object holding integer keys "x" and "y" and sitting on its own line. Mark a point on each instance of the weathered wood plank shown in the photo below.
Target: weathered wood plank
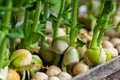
{"x": 113, "y": 76}
{"x": 100, "y": 71}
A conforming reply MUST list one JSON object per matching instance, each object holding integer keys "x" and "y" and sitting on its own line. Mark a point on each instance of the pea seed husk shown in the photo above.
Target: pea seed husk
{"x": 107, "y": 44}
{"x": 47, "y": 54}
{"x": 40, "y": 76}
{"x": 21, "y": 58}
{"x": 64, "y": 76}
{"x": 59, "y": 46}
{"x": 98, "y": 57}
{"x": 53, "y": 78}
{"x": 113, "y": 52}
{"x": 53, "y": 71}
{"x": 36, "y": 60}
{"x": 12, "y": 75}
{"x": 79, "y": 68}
{"x": 71, "y": 56}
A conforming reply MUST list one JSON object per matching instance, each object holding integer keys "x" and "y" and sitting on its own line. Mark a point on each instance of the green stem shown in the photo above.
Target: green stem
{"x": 56, "y": 27}
{"x": 2, "y": 51}
{"x": 74, "y": 22}
{"x": 68, "y": 16}
{"x": 96, "y": 28}
{"x": 90, "y": 14}
{"x": 59, "y": 19}
{"x": 64, "y": 67}
{"x": 57, "y": 58}
{"x": 24, "y": 41}
{"x": 95, "y": 36}
{"x": 25, "y": 22}
{"x": 37, "y": 15}
{"x": 68, "y": 3}
{"x": 72, "y": 37}
{"x": 103, "y": 30}
{"x": 101, "y": 7}
{"x": 6, "y": 22}
{"x": 46, "y": 7}
{"x": 35, "y": 23}
{"x": 117, "y": 6}
{"x": 90, "y": 7}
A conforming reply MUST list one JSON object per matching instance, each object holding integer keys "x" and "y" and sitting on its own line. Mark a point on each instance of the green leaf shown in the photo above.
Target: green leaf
{"x": 35, "y": 38}
{"x": 67, "y": 22}
{"x": 66, "y": 10}
{"x": 110, "y": 26}
{"x": 18, "y": 2}
{"x": 1, "y": 1}
{"x": 108, "y": 6}
{"x": 6, "y": 63}
{"x": 39, "y": 32}
{"x": 52, "y": 18}
{"x": 15, "y": 33}
{"x": 79, "y": 25}
{"x": 80, "y": 43}
{"x": 56, "y": 5}
{"x": 67, "y": 7}
{"x": 40, "y": 29}
{"x": 31, "y": 6}
{"x": 14, "y": 21}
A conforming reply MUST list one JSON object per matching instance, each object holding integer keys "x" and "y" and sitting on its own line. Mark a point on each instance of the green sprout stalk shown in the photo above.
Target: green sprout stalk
{"x": 58, "y": 19}
{"x": 33, "y": 29}
{"x": 23, "y": 42}
{"x": 56, "y": 27}
{"x": 46, "y": 7}
{"x": 68, "y": 16}
{"x": 74, "y": 23}
{"x": 96, "y": 29}
{"x": 94, "y": 53}
{"x": 73, "y": 30}
{"x": 35, "y": 23}
{"x": 6, "y": 22}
